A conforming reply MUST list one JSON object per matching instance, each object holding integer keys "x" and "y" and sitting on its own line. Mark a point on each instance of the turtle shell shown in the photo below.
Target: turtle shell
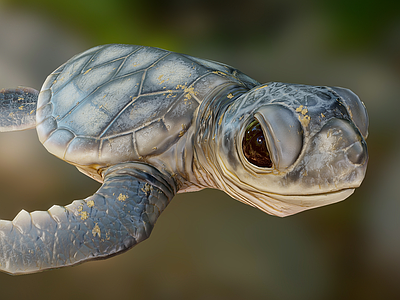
{"x": 117, "y": 103}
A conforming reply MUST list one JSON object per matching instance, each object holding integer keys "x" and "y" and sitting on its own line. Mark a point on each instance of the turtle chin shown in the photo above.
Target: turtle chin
{"x": 286, "y": 205}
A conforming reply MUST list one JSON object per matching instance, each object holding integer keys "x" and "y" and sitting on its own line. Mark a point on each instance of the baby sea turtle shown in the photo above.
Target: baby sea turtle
{"x": 149, "y": 123}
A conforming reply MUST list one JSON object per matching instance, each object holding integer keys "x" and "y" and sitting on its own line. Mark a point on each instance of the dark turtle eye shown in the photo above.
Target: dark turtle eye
{"x": 254, "y": 146}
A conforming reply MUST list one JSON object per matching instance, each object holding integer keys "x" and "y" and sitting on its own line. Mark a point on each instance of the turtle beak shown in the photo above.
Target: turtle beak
{"x": 283, "y": 134}
{"x": 356, "y": 109}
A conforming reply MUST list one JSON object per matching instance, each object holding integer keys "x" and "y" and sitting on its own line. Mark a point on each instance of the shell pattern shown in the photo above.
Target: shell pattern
{"x": 118, "y": 103}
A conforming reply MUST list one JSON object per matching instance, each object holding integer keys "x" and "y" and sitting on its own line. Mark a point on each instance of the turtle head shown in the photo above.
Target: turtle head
{"x": 285, "y": 148}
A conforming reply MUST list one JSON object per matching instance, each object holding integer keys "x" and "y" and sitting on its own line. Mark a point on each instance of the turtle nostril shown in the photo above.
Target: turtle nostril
{"x": 357, "y": 153}
{"x": 342, "y": 137}
{"x": 356, "y": 108}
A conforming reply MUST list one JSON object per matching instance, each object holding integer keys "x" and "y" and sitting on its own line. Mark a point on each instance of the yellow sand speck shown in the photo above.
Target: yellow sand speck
{"x": 183, "y": 131}
{"x": 302, "y": 109}
{"x": 230, "y": 96}
{"x": 96, "y": 230}
{"x": 90, "y": 203}
{"x": 162, "y": 80}
{"x": 122, "y": 197}
{"x": 84, "y": 215}
{"x": 219, "y": 73}
{"x": 220, "y": 119}
{"x": 147, "y": 188}
{"x": 188, "y": 91}
{"x": 304, "y": 120}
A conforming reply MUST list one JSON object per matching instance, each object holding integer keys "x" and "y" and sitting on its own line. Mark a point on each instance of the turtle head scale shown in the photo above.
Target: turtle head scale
{"x": 286, "y": 148}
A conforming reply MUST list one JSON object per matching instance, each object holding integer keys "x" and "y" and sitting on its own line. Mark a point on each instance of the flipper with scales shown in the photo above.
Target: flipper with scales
{"x": 18, "y": 109}
{"x": 118, "y": 216}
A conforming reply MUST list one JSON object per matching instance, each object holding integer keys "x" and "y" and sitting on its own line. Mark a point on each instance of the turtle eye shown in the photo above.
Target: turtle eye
{"x": 254, "y": 146}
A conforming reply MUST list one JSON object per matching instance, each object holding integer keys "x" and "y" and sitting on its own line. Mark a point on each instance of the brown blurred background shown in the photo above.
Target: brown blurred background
{"x": 206, "y": 245}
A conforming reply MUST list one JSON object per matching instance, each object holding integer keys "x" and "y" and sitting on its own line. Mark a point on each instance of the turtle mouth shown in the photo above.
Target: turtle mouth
{"x": 315, "y": 199}
{"x": 286, "y": 205}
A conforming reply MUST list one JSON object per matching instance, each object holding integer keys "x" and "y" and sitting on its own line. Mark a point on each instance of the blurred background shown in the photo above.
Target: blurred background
{"x": 206, "y": 245}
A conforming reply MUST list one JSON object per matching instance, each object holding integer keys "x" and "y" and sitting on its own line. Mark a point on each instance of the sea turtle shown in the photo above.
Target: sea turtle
{"x": 149, "y": 123}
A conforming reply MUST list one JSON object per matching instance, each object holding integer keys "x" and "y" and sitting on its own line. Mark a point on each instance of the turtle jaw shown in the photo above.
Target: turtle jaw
{"x": 286, "y": 205}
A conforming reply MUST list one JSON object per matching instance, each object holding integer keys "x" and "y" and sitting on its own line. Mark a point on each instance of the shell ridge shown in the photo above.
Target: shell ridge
{"x": 58, "y": 72}
{"x": 228, "y": 68}
{"x": 113, "y": 58}
{"x": 117, "y": 116}
{"x": 128, "y": 74}
{"x": 38, "y": 123}
{"x": 113, "y": 135}
{"x": 141, "y": 83}
{"x": 146, "y": 69}
{"x": 159, "y": 59}
{"x": 79, "y": 103}
{"x": 160, "y": 93}
{"x": 91, "y": 59}
{"x": 86, "y": 97}
{"x": 67, "y": 145}
{"x": 119, "y": 68}
{"x": 144, "y": 125}
{"x": 189, "y": 57}
{"x": 51, "y": 87}
{"x": 174, "y": 103}
{"x": 81, "y": 136}
{"x": 126, "y": 57}
{"x": 129, "y": 130}
{"x": 72, "y": 160}
{"x": 105, "y": 63}
{"x": 134, "y": 144}
{"x": 51, "y": 132}
{"x": 195, "y": 81}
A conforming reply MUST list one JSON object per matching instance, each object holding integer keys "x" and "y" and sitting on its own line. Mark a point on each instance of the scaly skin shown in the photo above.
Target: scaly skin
{"x": 119, "y": 215}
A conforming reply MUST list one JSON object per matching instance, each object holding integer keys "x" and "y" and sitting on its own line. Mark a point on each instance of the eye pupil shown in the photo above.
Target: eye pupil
{"x": 254, "y": 146}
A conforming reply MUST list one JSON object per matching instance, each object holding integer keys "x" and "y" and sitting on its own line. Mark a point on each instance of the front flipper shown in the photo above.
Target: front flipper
{"x": 18, "y": 108}
{"x": 117, "y": 217}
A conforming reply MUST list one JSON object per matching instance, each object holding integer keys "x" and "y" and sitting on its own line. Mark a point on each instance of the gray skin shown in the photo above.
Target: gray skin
{"x": 149, "y": 123}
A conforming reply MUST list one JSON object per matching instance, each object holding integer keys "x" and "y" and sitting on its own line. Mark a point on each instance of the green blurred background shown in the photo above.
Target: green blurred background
{"x": 206, "y": 245}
